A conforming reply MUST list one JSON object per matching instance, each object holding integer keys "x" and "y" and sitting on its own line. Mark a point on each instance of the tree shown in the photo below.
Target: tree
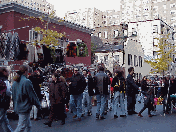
{"x": 166, "y": 49}
{"x": 49, "y": 37}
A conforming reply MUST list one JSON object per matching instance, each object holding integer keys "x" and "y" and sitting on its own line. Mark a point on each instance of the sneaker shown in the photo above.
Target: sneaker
{"x": 122, "y": 115}
{"x": 102, "y": 117}
{"x": 115, "y": 116}
{"x": 139, "y": 102}
{"x": 140, "y": 115}
{"x": 89, "y": 113}
{"x": 79, "y": 119}
{"x": 74, "y": 116}
{"x": 150, "y": 115}
{"x": 134, "y": 112}
{"x": 48, "y": 123}
{"x": 82, "y": 115}
{"x": 97, "y": 116}
{"x": 36, "y": 119}
{"x": 105, "y": 113}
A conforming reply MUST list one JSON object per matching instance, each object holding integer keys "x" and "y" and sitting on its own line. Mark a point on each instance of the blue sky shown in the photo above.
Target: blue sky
{"x": 63, "y": 6}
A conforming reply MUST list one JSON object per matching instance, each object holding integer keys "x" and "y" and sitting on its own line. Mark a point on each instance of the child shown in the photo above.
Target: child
{"x": 148, "y": 102}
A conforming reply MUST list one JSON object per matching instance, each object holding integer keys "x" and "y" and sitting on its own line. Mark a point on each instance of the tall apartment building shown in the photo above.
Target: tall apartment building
{"x": 41, "y": 5}
{"x": 92, "y": 17}
{"x": 142, "y": 10}
{"x": 147, "y": 33}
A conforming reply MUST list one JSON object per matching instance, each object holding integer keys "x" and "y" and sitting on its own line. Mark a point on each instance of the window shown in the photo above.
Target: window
{"x": 71, "y": 49}
{"x": 155, "y": 42}
{"x": 96, "y": 58}
{"x": 125, "y": 33}
{"x": 105, "y": 58}
{"x": 155, "y": 29}
{"x": 116, "y": 33}
{"x": 140, "y": 61}
{"x": 116, "y": 58}
{"x": 106, "y": 34}
{"x": 129, "y": 59}
{"x": 33, "y": 35}
{"x": 135, "y": 60}
{"x": 99, "y": 34}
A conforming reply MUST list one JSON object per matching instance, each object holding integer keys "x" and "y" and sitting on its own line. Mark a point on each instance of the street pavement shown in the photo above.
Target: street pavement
{"x": 131, "y": 123}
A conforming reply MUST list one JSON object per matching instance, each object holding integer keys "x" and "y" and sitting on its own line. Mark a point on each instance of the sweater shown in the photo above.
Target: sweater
{"x": 24, "y": 96}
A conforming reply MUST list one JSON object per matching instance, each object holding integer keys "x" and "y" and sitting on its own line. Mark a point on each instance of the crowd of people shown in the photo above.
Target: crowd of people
{"x": 76, "y": 93}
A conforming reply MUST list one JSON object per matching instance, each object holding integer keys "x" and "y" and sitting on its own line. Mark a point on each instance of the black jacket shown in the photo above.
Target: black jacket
{"x": 115, "y": 83}
{"x": 164, "y": 90}
{"x": 144, "y": 85}
{"x": 131, "y": 88}
{"x": 90, "y": 85}
{"x": 78, "y": 84}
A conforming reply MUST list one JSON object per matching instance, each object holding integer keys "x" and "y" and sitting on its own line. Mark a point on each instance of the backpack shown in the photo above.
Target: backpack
{"x": 4, "y": 99}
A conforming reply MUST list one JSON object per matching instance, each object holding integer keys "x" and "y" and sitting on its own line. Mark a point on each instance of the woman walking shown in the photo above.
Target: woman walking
{"x": 57, "y": 94}
{"x": 148, "y": 102}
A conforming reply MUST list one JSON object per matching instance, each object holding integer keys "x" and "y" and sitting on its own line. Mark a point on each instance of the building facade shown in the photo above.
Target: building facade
{"x": 40, "y": 5}
{"x": 92, "y": 17}
{"x": 134, "y": 57}
{"x": 143, "y": 10}
{"x": 11, "y": 13}
{"x": 147, "y": 33}
{"x": 114, "y": 34}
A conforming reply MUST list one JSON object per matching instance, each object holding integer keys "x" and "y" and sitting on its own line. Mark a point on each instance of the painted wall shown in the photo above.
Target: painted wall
{"x": 10, "y": 20}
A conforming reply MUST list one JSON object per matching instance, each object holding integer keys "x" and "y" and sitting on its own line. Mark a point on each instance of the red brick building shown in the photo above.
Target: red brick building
{"x": 11, "y": 13}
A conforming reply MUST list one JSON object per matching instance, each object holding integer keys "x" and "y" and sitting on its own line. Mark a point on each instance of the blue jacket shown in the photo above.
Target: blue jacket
{"x": 24, "y": 96}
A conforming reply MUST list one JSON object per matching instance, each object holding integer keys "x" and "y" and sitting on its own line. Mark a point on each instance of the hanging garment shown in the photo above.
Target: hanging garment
{"x": 8, "y": 45}
{"x": 38, "y": 50}
{"x": 31, "y": 53}
{"x": 15, "y": 46}
{"x": 47, "y": 56}
{"x": 23, "y": 53}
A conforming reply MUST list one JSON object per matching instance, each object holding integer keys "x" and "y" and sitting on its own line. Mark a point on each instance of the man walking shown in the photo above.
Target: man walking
{"x": 24, "y": 97}
{"x": 76, "y": 88}
{"x": 101, "y": 90}
{"x": 88, "y": 93}
{"x": 4, "y": 105}
{"x": 131, "y": 90}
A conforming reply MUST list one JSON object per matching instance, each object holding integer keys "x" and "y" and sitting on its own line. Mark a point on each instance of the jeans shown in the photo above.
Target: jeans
{"x": 141, "y": 97}
{"x": 70, "y": 104}
{"x": 33, "y": 113}
{"x": 117, "y": 96}
{"x": 101, "y": 101}
{"x": 88, "y": 99}
{"x": 76, "y": 104}
{"x": 4, "y": 122}
{"x": 23, "y": 123}
{"x": 166, "y": 104}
